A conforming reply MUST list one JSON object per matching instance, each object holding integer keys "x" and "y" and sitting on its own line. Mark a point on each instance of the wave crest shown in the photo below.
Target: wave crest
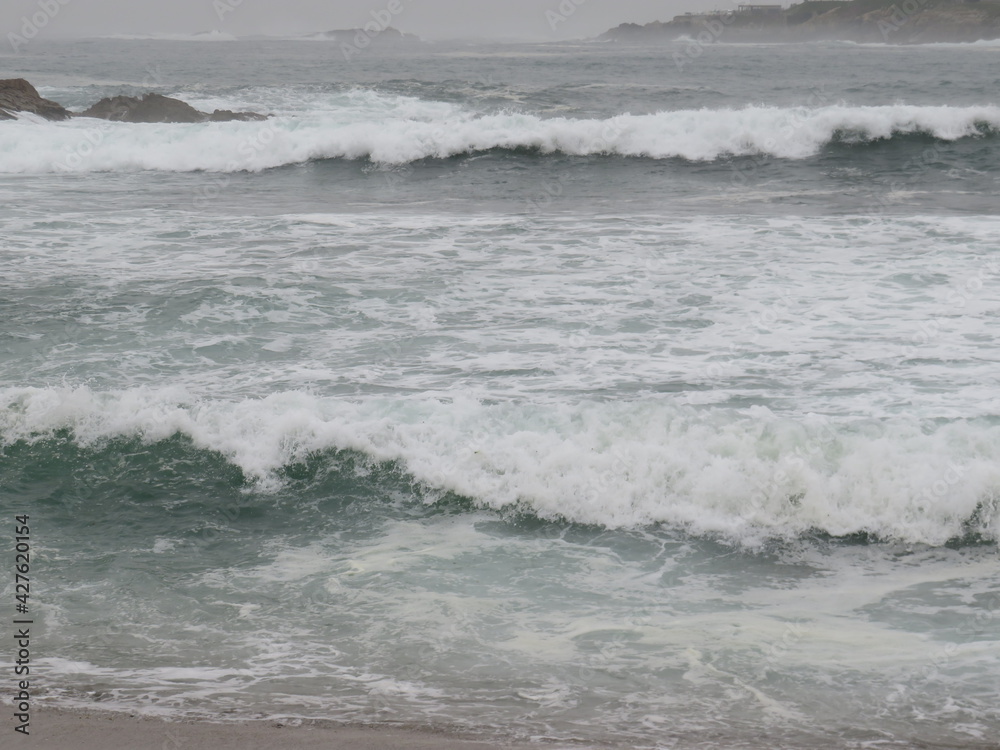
{"x": 399, "y": 130}
{"x": 746, "y": 476}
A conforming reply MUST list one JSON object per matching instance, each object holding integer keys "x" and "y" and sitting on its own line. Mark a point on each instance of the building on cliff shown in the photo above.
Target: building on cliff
{"x": 759, "y": 10}
{"x": 744, "y": 15}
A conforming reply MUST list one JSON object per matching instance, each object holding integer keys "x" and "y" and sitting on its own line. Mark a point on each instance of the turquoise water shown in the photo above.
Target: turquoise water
{"x": 541, "y": 391}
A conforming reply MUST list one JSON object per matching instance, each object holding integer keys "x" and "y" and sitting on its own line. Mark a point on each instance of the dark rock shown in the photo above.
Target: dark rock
{"x": 157, "y": 108}
{"x": 150, "y": 108}
{"x": 17, "y": 95}
{"x": 388, "y": 35}
{"x": 226, "y": 115}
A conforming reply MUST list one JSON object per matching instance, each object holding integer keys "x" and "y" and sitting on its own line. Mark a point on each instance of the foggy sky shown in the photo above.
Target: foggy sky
{"x": 430, "y": 19}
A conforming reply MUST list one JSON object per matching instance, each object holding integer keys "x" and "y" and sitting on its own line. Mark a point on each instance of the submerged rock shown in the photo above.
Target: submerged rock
{"x": 17, "y": 95}
{"x": 226, "y": 115}
{"x": 154, "y": 108}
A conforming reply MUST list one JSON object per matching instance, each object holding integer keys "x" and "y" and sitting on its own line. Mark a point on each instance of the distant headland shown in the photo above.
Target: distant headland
{"x": 862, "y": 21}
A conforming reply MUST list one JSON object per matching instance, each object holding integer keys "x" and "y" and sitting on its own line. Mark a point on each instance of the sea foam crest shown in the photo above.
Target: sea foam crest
{"x": 748, "y": 475}
{"x": 398, "y": 130}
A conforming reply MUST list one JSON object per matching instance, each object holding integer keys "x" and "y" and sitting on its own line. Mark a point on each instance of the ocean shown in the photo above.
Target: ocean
{"x": 639, "y": 396}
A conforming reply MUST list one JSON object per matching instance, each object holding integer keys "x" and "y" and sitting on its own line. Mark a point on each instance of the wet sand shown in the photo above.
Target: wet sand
{"x": 63, "y": 729}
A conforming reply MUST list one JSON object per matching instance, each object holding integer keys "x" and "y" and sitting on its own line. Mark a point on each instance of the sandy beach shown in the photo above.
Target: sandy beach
{"x": 63, "y": 729}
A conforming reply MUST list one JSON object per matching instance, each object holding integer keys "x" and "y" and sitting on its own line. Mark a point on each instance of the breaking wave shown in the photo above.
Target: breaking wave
{"x": 746, "y": 476}
{"x": 401, "y": 130}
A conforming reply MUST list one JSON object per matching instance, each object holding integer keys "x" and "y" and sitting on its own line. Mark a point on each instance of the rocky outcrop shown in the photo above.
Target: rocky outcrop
{"x": 366, "y": 36}
{"x": 17, "y": 95}
{"x": 883, "y": 21}
{"x": 633, "y": 32}
{"x": 150, "y": 108}
{"x": 154, "y": 108}
{"x": 227, "y": 115}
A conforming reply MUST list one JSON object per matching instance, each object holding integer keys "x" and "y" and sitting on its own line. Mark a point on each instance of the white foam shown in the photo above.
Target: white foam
{"x": 979, "y": 44}
{"x": 397, "y": 130}
{"x": 746, "y": 475}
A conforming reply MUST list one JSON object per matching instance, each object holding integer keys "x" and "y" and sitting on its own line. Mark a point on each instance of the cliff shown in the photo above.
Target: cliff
{"x": 889, "y": 21}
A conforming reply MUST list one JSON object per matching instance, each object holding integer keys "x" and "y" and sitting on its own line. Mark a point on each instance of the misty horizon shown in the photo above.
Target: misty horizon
{"x": 431, "y": 20}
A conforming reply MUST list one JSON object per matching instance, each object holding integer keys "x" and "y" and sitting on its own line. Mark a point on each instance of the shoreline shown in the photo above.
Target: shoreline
{"x": 61, "y": 728}
{"x": 55, "y": 728}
